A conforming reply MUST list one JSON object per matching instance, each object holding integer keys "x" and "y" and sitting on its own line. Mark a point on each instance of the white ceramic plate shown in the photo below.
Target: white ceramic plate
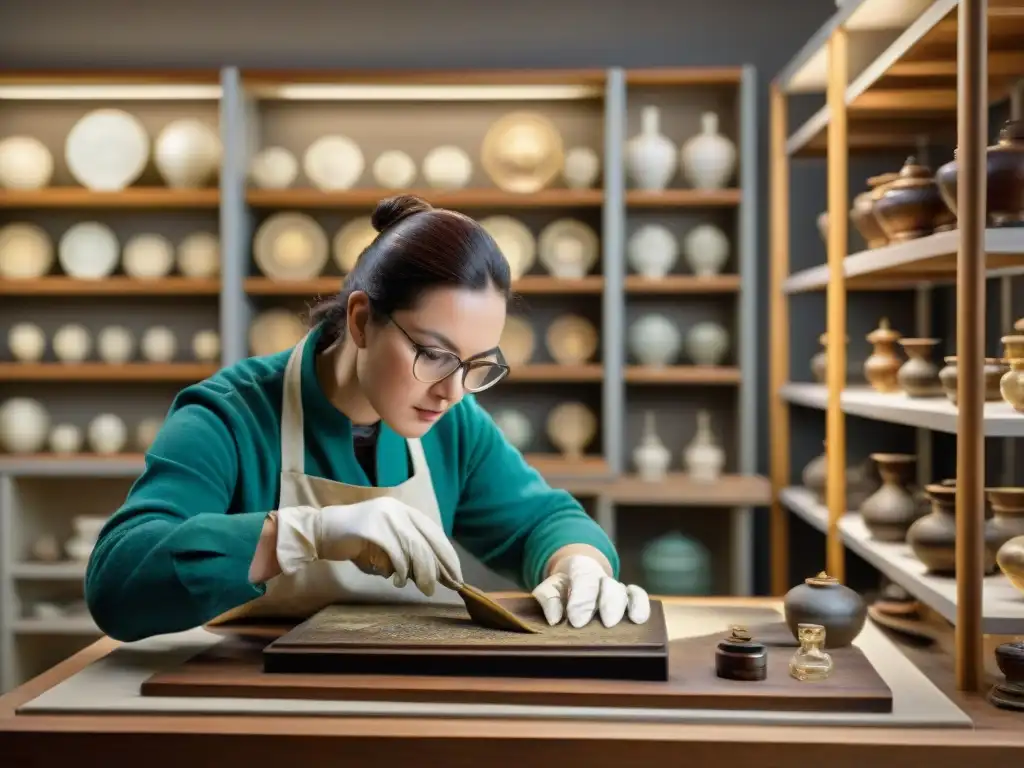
{"x": 26, "y": 252}
{"x": 569, "y": 249}
{"x": 333, "y": 162}
{"x": 25, "y": 163}
{"x": 571, "y": 340}
{"x": 290, "y": 246}
{"x": 275, "y": 330}
{"x": 517, "y": 340}
{"x": 107, "y": 150}
{"x": 570, "y": 427}
{"x": 89, "y": 251}
{"x": 515, "y": 240}
{"x": 522, "y": 152}
{"x": 351, "y": 240}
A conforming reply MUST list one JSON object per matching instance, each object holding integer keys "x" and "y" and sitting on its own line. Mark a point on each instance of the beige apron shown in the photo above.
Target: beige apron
{"x": 322, "y": 582}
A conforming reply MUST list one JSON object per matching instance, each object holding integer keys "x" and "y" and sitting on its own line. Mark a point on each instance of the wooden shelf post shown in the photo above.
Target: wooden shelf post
{"x": 972, "y": 134}
{"x": 838, "y": 207}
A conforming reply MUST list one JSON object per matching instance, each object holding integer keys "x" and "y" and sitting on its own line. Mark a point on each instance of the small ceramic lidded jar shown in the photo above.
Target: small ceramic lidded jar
{"x": 862, "y": 215}
{"x": 823, "y": 600}
{"x": 912, "y": 206}
{"x": 740, "y": 657}
{"x": 882, "y": 365}
{"x": 919, "y": 376}
{"x": 1005, "y": 177}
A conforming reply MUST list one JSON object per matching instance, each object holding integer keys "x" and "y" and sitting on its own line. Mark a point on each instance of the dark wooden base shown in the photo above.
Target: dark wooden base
{"x": 435, "y": 640}
{"x": 234, "y": 668}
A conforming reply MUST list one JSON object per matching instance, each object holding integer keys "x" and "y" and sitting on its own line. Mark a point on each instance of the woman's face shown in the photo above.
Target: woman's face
{"x": 464, "y": 322}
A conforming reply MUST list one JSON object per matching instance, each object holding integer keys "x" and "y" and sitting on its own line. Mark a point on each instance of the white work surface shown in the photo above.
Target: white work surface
{"x": 111, "y": 686}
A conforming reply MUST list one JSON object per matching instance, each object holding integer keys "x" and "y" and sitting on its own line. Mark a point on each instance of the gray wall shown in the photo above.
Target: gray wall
{"x": 109, "y": 34}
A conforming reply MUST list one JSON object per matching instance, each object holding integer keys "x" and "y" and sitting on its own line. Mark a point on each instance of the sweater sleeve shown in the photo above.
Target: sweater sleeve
{"x": 171, "y": 558}
{"x": 508, "y": 516}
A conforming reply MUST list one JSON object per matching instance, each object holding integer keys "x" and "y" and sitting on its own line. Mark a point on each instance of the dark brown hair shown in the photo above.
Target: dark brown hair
{"x": 418, "y": 247}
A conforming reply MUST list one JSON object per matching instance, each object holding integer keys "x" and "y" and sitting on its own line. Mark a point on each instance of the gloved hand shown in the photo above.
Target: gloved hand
{"x": 381, "y": 536}
{"x": 579, "y": 588}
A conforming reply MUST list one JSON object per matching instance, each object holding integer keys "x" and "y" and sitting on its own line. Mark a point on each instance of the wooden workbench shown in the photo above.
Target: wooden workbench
{"x": 157, "y": 740}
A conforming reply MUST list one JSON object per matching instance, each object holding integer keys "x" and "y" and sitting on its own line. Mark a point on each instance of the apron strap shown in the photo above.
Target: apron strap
{"x": 419, "y": 458}
{"x": 293, "y": 439}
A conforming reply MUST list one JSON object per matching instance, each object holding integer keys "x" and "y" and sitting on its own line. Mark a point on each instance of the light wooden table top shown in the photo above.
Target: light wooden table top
{"x": 157, "y": 740}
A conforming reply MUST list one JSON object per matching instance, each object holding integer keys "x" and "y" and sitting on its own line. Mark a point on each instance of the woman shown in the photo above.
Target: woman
{"x": 336, "y": 471}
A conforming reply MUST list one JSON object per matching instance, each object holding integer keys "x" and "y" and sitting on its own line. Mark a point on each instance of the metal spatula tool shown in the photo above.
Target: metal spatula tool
{"x": 486, "y": 612}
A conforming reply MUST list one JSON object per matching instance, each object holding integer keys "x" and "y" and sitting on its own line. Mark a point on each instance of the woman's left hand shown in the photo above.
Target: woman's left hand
{"x": 579, "y": 588}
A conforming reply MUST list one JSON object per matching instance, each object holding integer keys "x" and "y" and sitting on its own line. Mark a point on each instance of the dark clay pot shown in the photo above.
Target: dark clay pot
{"x": 823, "y": 600}
{"x": 1008, "y": 513}
{"x": 912, "y": 205}
{"x": 892, "y": 509}
{"x": 933, "y": 537}
{"x": 1005, "y": 174}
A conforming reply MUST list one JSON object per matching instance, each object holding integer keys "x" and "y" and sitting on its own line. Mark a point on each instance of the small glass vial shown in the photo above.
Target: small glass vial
{"x": 810, "y": 662}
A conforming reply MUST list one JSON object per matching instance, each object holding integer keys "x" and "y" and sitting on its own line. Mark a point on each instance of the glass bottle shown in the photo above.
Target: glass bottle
{"x": 810, "y": 662}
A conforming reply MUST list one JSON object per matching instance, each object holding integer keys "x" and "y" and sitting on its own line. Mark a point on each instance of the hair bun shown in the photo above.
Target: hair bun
{"x": 392, "y": 210}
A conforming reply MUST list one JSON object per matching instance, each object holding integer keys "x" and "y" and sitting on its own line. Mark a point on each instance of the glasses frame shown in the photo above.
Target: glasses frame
{"x": 464, "y": 365}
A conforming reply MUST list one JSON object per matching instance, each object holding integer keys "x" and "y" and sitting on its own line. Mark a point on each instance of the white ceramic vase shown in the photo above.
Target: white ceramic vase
{"x": 651, "y": 157}
{"x": 707, "y": 342}
{"x": 515, "y": 426}
{"x": 652, "y": 251}
{"x": 706, "y": 249}
{"x": 273, "y": 168}
{"x": 27, "y": 342}
{"x": 65, "y": 439}
{"x": 107, "y": 434}
{"x": 703, "y": 457}
{"x": 187, "y": 153}
{"x": 654, "y": 340}
{"x": 651, "y": 457}
{"x": 581, "y": 168}
{"x": 708, "y": 159}
{"x": 24, "y": 425}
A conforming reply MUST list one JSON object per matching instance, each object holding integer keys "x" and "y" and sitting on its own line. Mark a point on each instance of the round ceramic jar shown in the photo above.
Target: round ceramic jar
{"x": 823, "y": 600}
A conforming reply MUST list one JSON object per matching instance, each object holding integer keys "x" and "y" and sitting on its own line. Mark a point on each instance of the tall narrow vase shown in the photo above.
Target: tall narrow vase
{"x": 651, "y": 157}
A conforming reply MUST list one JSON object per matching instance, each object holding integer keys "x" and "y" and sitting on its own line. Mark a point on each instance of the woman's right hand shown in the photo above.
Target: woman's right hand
{"x": 384, "y": 536}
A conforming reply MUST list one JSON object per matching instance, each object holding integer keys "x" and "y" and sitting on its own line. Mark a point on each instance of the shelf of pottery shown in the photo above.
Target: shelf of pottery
{"x": 897, "y": 520}
{"x": 109, "y": 262}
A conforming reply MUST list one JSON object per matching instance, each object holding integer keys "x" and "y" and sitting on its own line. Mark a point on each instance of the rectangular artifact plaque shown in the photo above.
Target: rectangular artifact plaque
{"x": 442, "y": 640}
{"x": 234, "y": 669}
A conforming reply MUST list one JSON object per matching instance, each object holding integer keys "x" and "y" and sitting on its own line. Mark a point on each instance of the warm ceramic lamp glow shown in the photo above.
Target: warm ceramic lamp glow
{"x": 109, "y": 92}
{"x": 425, "y": 92}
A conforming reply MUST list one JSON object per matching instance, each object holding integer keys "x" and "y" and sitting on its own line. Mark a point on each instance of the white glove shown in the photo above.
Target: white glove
{"x": 384, "y": 536}
{"x": 579, "y": 588}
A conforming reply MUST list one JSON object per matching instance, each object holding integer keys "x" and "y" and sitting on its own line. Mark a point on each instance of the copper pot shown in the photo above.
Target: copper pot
{"x": 912, "y": 205}
{"x": 1005, "y": 174}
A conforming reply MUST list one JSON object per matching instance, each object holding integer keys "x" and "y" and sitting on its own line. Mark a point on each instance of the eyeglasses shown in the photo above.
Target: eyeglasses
{"x": 433, "y": 364}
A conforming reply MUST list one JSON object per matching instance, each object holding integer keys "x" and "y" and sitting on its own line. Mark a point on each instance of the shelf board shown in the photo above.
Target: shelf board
{"x": 552, "y": 372}
{"x": 115, "y": 285}
{"x": 106, "y": 372}
{"x": 62, "y": 571}
{"x": 530, "y": 284}
{"x": 1002, "y": 604}
{"x": 555, "y": 467}
{"x": 119, "y": 465}
{"x": 928, "y": 259}
{"x": 921, "y": 36}
{"x": 802, "y": 503}
{"x": 76, "y": 625}
{"x": 678, "y": 489}
{"x": 133, "y": 197}
{"x": 683, "y": 198}
{"x": 460, "y": 198}
{"x": 935, "y": 413}
{"x": 684, "y": 76}
{"x": 682, "y": 284}
{"x": 683, "y": 374}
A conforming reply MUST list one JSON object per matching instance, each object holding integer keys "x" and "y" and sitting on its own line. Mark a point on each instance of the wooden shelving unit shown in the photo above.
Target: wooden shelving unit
{"x": 899, "y": 77}
{"x": 592, "y": 107}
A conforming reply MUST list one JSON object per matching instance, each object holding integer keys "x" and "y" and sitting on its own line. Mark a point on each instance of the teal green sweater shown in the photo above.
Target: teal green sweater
{"x": 177, "y": 552}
